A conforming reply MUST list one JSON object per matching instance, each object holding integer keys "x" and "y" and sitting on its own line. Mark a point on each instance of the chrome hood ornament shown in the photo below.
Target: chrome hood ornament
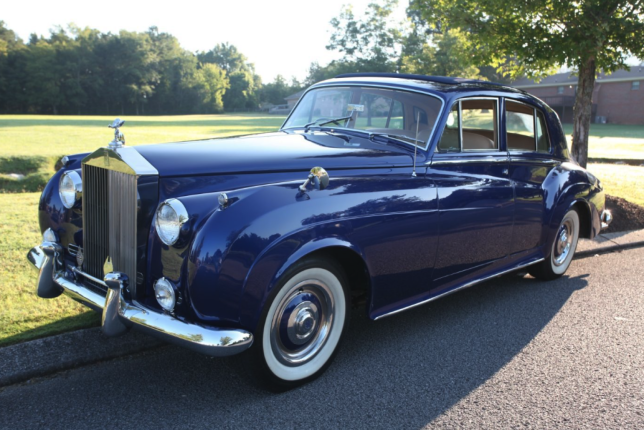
{"x": 119, "y": 139}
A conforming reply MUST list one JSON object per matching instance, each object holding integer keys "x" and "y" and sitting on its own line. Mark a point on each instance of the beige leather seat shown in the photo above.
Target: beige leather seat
{"x": 520, "y": 142}
{"x": 476, "y": 141}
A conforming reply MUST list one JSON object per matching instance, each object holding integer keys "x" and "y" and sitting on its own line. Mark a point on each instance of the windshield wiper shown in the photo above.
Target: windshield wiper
{"x": 327, "y": 121}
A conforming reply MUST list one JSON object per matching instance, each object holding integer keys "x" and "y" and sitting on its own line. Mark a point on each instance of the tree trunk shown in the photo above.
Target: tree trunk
{"x": 583, "y": 111}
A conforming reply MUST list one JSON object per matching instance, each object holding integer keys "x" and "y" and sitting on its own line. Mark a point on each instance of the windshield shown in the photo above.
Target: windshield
{"x": 396, "y": 113}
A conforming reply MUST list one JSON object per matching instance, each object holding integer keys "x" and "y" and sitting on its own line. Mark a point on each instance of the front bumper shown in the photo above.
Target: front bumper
{"x": 120, "y": 314}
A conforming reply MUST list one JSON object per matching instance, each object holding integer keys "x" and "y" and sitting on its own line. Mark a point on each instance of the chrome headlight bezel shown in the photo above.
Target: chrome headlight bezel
{"x": 165, "y": 294}
{"x": 70, "y": 189}
{"x": 168, "y": 226}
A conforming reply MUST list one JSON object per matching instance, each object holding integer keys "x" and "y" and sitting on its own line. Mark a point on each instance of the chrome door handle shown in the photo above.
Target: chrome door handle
{"x": 506, "y": 171}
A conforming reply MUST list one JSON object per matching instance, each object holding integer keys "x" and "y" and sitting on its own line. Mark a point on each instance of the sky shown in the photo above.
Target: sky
{"x": 278, "y": 36}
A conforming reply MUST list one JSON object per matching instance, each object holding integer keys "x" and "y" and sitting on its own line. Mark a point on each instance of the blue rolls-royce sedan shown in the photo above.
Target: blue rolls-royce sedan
{"x": 382, "y": 190}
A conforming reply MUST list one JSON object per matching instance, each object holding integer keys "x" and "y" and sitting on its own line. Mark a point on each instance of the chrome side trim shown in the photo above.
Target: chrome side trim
{"x": 467, "y": 285}
{"x": 533, "y": 160}
{"x": 502, "y": 158}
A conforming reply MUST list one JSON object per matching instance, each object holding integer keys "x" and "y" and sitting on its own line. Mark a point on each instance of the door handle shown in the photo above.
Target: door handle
{"x": 506, "y": 171}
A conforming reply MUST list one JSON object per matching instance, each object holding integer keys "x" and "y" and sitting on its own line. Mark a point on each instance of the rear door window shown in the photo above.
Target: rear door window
{"x": 525, "y": 128}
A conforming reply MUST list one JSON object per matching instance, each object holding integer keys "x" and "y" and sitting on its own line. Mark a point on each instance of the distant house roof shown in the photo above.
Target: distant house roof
{"x": 635, "y": 74}
{"x": 295, "y": 96}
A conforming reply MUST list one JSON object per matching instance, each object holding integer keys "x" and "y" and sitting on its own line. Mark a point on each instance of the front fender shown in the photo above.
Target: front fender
{"x": 238, "y": 253}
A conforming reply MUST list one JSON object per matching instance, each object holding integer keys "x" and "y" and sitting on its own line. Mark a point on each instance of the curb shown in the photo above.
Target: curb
{"x": 42, "y": 357}
{"x": 607, "y": 249}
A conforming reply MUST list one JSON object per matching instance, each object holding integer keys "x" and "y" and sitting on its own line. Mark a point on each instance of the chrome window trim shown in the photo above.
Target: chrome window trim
{"x": 382, "y": 86}
{"x": 460, "y": 125}
{"x": 536, "y": 111}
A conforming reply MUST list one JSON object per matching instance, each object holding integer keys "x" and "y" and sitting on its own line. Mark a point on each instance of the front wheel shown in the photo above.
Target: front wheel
{"x": 562, "y": 250}
{"x": 302, "y": 325}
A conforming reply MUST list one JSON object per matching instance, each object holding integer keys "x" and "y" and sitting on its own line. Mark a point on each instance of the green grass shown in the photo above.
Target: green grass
{"x": 621, "y": 180}
{"x": 613, "y": 141}
{"x": 23, "y": 315}
{"x": 55, "y": 136}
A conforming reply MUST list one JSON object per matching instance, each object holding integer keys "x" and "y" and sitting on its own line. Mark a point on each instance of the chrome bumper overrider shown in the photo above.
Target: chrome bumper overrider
{"x": 120, "y": 314}
{"x": 606, "y": 218}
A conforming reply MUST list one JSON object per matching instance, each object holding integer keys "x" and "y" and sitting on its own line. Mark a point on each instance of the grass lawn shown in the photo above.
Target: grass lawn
{"x": 23, "y": 315}
{"x": 622, "y": 181}
{"x": 55, "y": 136}
{"x": 613, "y": 141}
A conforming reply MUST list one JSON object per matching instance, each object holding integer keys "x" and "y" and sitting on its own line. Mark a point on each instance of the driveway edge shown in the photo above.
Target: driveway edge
{"x": 42, "y": 357}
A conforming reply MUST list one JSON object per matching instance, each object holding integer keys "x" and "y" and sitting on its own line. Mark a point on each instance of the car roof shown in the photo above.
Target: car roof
{"x": 430, "y": 84}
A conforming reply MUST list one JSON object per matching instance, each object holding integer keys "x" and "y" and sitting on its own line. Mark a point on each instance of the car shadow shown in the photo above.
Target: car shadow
{"x": 401, "y": 371}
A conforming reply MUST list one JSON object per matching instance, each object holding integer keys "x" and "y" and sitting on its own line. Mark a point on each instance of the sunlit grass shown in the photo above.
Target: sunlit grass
{"x": 621, "y": 180}
{"x": 23, "y": 315}
{"x": 54, "y": 136}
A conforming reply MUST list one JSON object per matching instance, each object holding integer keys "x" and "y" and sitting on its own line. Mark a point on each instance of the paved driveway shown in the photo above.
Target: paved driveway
{"x": 513, "y": 352}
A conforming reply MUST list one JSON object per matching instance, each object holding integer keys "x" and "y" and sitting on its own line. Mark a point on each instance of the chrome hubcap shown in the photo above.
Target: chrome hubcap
{"x": 302, "y": 322}
{"x": 563, "y": 243}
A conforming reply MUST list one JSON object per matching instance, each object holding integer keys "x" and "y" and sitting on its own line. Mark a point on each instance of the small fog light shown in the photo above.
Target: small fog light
{"x": 164, "y": 292}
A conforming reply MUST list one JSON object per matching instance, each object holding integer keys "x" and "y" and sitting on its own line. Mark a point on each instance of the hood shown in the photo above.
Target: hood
{"x": 274, "y": 152}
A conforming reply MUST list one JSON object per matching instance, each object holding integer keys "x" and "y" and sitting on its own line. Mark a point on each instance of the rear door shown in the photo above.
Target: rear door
{"x": 531, "y": 161}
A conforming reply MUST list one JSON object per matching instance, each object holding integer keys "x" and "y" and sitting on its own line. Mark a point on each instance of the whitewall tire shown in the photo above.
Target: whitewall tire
{"x": 562, "y": 249}
{"x": 302, "y": 324}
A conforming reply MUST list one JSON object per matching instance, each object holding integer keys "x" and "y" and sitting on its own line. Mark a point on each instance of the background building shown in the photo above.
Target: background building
{"x": 618, "y": 98}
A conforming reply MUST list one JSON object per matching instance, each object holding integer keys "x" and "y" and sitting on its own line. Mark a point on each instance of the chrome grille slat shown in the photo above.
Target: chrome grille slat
{"x": 109, "y": 221}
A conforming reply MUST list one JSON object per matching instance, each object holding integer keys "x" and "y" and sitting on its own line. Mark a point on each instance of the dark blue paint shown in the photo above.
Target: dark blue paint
{"x": 417, "y": 236}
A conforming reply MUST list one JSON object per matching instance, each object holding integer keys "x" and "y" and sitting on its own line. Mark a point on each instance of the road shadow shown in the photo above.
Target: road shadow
{"x": 402, "y": 371}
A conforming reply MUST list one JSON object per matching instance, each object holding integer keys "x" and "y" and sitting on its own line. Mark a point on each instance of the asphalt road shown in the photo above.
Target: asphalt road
{"x": 513, "y": 352}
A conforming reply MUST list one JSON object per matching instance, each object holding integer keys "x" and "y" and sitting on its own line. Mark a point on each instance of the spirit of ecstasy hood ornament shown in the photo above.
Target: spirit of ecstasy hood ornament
{"x": 119, "y": 139}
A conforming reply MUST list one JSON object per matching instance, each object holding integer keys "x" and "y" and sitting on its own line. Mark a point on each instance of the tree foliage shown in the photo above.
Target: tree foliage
{"x": 543, "y": 35}
{"x": 370, "y": 44}
{"x": 83, "y": 71}
{"x": 376, "y": 43}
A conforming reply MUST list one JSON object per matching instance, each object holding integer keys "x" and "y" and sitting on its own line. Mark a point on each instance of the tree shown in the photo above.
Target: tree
{"x": 370, "y": 44}
{"x": 542, "y": 35}
{"x": 244, "y": 82}
{"x": 448, "y": 54}
{"x": 213, "y": 85}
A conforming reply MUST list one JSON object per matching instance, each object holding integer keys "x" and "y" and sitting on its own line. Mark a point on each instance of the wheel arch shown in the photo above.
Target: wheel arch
{"x": 269, "y": 269}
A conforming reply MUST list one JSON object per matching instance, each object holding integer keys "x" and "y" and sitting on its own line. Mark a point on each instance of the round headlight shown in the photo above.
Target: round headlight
{"x": 171, "y": 215}
{"x": 164, "y": 292}
{"x": 70, "y": 188}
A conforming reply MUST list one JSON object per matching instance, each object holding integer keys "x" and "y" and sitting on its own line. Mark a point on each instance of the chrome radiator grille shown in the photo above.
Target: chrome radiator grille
{"x": 109, "y": 220}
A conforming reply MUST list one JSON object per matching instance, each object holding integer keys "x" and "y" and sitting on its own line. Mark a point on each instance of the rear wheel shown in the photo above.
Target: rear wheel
{"x": 302, "y": 325}
{"x": 562, "y": 249}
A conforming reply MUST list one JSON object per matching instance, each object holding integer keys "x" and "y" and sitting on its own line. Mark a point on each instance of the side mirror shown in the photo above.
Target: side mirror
{"x": 318, "y": 177}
